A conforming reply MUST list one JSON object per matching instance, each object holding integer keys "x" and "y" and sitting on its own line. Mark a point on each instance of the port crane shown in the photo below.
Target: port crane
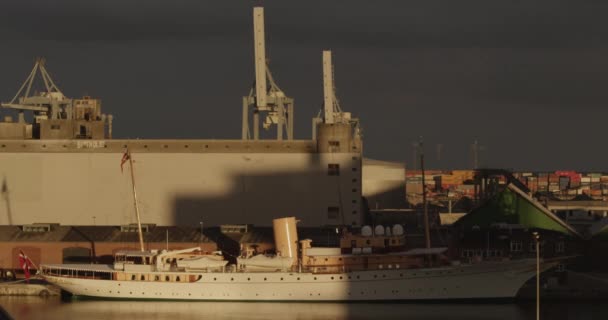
{"x": 265, "y": 97}
{"x": 48, "y": 104}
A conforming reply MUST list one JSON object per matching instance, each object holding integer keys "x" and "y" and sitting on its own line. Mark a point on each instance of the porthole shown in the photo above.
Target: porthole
{"x": 264, "y": 279}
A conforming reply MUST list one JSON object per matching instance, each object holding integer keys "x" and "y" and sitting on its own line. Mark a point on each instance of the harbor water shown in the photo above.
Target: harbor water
{"x": 31, "y": 308}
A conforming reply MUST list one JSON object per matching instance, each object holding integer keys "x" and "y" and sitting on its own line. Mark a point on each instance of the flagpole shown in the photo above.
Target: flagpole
{"x": 28, "y": 257}
{"x": 139, "y": 232}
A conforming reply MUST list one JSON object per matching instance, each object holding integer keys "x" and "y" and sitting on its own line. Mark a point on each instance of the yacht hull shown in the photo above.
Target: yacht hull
{"x": 480, "y": 281}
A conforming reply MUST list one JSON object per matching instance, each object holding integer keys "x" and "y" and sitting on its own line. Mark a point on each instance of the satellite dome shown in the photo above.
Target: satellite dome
{"x": 366, "y": 231}
{"x": 387, "y": 231}
{"x": 398, "y": 230}
{"x": 379, "y": 230}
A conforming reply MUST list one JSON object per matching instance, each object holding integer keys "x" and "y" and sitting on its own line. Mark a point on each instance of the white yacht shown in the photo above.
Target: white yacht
{"x": 366, "y": 267}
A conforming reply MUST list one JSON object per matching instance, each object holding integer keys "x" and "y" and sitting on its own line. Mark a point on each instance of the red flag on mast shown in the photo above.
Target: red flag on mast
{"x": 125, "y": 157}
{"x": 26, "y": 264}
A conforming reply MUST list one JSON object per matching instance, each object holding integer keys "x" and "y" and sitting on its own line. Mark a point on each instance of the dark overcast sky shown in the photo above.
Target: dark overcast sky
{"x": 528, "y": 79}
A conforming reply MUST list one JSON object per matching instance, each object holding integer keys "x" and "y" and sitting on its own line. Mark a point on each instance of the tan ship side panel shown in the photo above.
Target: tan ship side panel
{"x": 84, "y": 188}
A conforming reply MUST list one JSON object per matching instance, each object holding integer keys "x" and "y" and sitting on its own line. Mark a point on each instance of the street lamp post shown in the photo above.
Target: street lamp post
{"x": 537, "y": 243}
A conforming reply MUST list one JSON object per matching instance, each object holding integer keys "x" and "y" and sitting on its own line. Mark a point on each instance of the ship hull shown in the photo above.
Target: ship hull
{"x": 482, "y": 281}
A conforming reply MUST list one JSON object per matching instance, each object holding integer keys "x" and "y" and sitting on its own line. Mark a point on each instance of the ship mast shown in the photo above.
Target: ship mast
{"x": 139, "y": 232}
{"x": 427, "y": 233}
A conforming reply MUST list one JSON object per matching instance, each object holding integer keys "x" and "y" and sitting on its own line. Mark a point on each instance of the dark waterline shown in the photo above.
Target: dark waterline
{"x": 30, "y": 308}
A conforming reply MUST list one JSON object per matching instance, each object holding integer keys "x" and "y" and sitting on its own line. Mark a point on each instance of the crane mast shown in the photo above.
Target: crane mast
{"x": 265, "y": 98}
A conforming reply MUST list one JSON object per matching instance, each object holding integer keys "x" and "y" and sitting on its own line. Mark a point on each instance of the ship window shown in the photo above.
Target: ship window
{"x": 333, "y": 212}
{"x": 333, "y": 169}
{"x": 132, "y": 277}
{"x": 55, "y": 127}
{"x": 516, "y": 246}
{"x": 334, "y": 143}
{"x": 167, "y": 278}
{"x": 177, "y": 279}
{"x": 559, "y": 247}
{"x": 142, "y": 278}
{"x": 156, "y": 278}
